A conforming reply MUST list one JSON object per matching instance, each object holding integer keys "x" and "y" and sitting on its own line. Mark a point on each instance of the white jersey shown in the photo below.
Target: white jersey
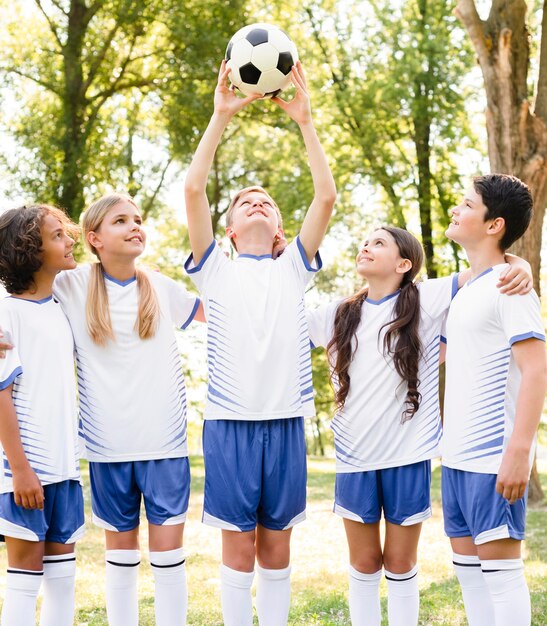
{"x": 368, "y": 432}
{"x": 482, "y": 378}
{"x": 132, "y": 393}
{"x": 41, "y": 369}
{"x": 257, "y": 338}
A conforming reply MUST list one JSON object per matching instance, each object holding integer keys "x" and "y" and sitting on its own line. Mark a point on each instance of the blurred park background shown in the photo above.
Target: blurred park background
{"x": 411, "y": 98}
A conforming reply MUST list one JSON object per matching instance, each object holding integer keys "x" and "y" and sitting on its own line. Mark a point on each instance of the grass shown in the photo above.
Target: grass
{"x": 319, "y": 558}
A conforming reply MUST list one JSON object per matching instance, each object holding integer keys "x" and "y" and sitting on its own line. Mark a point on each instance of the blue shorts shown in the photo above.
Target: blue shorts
{"x": 403, "y": 493}
{"x": 117, "y": 488}
{"x": 60, "y": 521}
{"x": 473, "y": 508}
{"x": 255, "y": 473}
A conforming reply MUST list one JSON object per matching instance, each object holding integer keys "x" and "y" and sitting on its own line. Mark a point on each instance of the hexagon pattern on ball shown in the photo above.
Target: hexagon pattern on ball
{"x": 260, "y": 57}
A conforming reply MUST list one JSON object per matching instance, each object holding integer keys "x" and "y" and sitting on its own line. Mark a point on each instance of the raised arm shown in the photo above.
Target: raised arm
{"x": 227, "y": 104}
{"x": 318, "y": 215}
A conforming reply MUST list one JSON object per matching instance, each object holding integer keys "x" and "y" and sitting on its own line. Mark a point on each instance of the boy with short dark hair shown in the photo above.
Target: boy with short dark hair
{"x": 496, "y": 375}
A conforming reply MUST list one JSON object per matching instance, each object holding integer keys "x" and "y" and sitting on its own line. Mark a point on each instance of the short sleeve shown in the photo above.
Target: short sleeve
{"x": 436, "y": 294}
{"x": 321, "y": 324}
{"x": 520, "y": 317}
{"x": 209, "y": 266}
{"x": 294, "y": 256}
{"x": 182, "y": 304}
{"x": 10, "y": 367}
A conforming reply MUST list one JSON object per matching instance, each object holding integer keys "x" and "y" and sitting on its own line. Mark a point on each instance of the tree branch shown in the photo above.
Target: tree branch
{"x": 99, "y": 58}
{"x": 52, "y": 26}
{"x": 466, "y": 12}
{"x": 540, "y": 108}
{"x": 38, "y": 81}
{"x": 147, "y": 207}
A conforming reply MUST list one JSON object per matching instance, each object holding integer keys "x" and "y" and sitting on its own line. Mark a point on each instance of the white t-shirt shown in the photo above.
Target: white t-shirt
{"x": 41, "y": 368}
{"x": 482, "y": 378}
{"x": 368, "y": 433}
{"x": 132, "y": 393}
{"x": 257, "y": 336}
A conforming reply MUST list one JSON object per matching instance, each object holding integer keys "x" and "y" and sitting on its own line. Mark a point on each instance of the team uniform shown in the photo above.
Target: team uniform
{"x": 482, "y": 384}
{"x": 259, "y": 387}
{"x": 132, "y": 416}
{"x": 382, "y": 463}
{"x": 41, "y": 369}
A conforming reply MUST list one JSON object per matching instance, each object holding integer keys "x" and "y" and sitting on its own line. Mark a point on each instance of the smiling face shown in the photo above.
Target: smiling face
{"x": 379, "y": 257}
{"x": 119, "y": 233}
{"x": 253, "y": 211}
{"x": 57, "y": 245}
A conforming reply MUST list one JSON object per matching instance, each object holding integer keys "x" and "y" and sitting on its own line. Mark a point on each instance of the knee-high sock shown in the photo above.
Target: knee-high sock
{"x": 364, "y": 598}
{"x": 273, "y": 596}
{"x": 509, "y": 592}
{"x": 122, "y": 570}
{"x": 22, "y": 587}
{"x": 59, "y": 582}
{"x": 171, "y": 597}
{"x": 235, "y": 592}
{"x": 476, "y": 596}
{"x": 403, "y": 598}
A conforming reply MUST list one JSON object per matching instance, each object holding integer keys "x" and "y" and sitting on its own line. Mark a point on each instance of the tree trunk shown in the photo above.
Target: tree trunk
{"x": 517, "y": 135}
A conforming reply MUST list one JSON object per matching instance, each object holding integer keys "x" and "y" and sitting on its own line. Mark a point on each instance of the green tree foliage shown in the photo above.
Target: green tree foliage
{"x": 396, "y": 71}
{"x": 93, "y": 78}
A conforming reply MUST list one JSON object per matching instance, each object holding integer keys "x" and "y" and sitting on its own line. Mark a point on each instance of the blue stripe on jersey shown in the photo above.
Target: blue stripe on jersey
{"x": 190, "y": 260}
{"x": 317, "y": 258}
{"x": 531, "y": 335}
{"x": 9, "y": 380}
{"x": 192, "y": 314}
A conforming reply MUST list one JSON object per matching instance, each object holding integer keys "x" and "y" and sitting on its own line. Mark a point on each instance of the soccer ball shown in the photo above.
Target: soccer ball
{"x": 260, "y": 57}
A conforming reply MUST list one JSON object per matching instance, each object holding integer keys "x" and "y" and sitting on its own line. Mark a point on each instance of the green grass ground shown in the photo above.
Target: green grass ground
{"x": 319, "y": 580}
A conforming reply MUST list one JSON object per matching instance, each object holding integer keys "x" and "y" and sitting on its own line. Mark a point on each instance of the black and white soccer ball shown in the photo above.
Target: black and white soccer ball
{"x": 260, "y": 57}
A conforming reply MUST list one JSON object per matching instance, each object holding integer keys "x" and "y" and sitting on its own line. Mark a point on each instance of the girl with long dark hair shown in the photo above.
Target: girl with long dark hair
{"x": 383, "y": 345}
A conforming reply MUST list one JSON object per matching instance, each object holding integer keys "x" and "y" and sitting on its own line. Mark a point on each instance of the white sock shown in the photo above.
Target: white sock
{"x": 59, "y": 582}
{"x": 22, "y": 587}
{"x": 476, "y": 596}
{"x": 364, "y": 598}
{"x": 235, "y": 593}
{"x": 273, "y": 596}
{"x": 509, "y": 592}
{"x": 122, "y": 604}
{"x": 171, "y": 597}
{"x": 403, "y": 598}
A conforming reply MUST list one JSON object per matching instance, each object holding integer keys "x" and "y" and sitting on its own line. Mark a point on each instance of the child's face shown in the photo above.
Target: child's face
{"x": 379, "y": 257}
{"x": 120, "y": 233}
{"x": 254, "y": 211}
{"x": 468, "y": 224}
{"x": 57, "y": 246}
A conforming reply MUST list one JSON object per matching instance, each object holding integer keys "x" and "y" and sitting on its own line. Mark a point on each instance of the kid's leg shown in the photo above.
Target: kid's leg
{"x": 476, "y": 596}
{"x": 167, "y": 560}
{"x": 23, "y": 579}
{"x": 236, "y": 577}
{"x": 365, "y": 572}
{"x": 503, "y": 571}
{"x": 122, "y": 569}
{"x": 273, "y": 592}
{"x": 59, "y": 582}
{"x": 401, "y": 572}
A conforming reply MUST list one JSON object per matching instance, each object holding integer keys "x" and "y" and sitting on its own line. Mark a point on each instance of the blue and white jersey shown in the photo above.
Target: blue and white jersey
{"x": 482, "y": 378}
{"x": 132, "y": 393}
{"x": 257, "y": 337}
{"x": 41, "y": 369}
{"x": 368, "y": 433}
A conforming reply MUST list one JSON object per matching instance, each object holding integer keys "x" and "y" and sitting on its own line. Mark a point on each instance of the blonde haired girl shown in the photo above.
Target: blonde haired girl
{"x": 132, "y": 406}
